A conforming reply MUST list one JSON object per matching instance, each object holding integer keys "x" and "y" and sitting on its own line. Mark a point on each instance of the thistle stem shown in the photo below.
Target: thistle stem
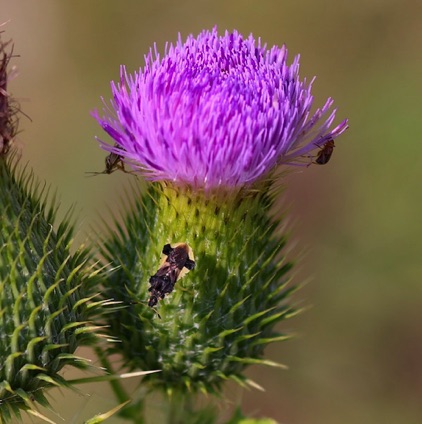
{"x": 179, "y": 408}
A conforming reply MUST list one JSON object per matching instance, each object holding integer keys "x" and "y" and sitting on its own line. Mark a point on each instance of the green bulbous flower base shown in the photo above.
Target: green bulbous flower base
{"x": 45, "y": 294}
{"x": 221, "y": 315}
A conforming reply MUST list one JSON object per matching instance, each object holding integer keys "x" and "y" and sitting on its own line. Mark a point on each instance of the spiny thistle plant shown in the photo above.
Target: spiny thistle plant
{"x": 196, "y": 269}
{"x": 46, "y": 290}
{"x": 209, "y": 125}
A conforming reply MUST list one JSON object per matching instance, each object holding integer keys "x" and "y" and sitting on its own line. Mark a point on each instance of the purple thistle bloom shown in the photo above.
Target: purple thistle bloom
{"x": 215, "y": 110}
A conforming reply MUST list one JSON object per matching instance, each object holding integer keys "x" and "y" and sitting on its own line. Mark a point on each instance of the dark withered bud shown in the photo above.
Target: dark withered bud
{"x": 9, "y": 108}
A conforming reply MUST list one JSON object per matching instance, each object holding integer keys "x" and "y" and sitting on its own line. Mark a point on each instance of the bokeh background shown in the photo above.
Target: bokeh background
{"x": 355, "y": 222}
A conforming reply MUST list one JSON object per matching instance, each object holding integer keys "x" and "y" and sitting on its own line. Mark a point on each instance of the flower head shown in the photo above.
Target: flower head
{"x": 215, "y": 110}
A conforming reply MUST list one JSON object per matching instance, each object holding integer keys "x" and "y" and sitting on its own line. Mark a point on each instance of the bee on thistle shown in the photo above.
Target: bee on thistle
{"x": 163, "y": 281}
{"x": 324, "y": 155}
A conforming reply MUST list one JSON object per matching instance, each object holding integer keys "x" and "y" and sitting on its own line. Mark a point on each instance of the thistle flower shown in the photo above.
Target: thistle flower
{"x": 207, "y": 123}
{"x": 215, "y": 110}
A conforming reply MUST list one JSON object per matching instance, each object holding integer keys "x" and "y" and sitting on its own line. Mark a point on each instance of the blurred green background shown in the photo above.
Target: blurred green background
{"x": 356, "y": 222}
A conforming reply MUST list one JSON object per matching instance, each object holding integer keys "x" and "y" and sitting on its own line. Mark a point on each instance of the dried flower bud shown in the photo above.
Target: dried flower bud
{"x": 8, "y": 106}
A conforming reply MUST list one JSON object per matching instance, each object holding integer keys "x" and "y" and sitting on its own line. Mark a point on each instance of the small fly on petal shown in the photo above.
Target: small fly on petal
{"x": 324, "y": 155}
{"x": 113, "y": 162}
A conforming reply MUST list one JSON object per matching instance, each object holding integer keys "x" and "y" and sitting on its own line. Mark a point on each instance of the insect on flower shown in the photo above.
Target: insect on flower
{"x": 163, "y": 281}
{"x": 324, "y": 155}
{"x": 113, "y": 162}
{"x": 234, "y": 111}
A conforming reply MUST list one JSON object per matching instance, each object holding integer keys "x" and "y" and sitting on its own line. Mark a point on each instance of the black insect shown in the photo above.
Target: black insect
{"x": 324, "y": 155}
{"x": 113, "y": 162}
{"x": 163, "y": 281}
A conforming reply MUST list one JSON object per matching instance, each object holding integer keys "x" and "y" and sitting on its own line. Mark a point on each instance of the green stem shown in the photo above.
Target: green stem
{"x": 179, "y": 408}
{"x": 185, "y": 408}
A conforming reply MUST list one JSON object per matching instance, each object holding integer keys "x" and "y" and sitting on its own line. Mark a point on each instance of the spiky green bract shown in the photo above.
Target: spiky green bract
{"x": 45, "y": 294}
{"x": 221, "y": 315}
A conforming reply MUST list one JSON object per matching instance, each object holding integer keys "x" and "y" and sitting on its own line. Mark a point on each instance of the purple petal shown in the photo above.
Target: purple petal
{"x": 215, "y": 110}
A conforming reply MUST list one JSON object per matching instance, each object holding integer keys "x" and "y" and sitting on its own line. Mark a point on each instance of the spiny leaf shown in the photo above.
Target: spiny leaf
{"x": 102, "y": 417}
